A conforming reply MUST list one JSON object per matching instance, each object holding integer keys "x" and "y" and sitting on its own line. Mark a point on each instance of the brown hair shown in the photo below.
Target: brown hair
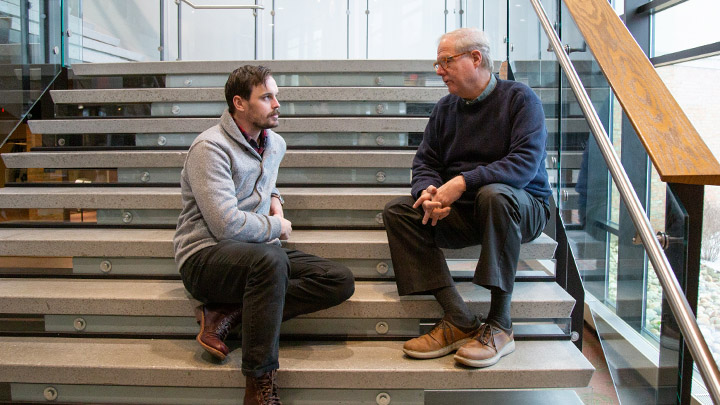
{"x": 241, "y": 82}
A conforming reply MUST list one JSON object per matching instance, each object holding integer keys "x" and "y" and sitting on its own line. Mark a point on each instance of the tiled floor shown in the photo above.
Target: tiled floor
{"x": 601, "y": 390}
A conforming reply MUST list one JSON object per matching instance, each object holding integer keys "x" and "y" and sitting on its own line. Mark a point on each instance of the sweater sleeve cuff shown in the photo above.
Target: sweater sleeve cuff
{"x": 473, "y": 179}
{"x": 275, "y": 227}
{"x": 417, "y": 189}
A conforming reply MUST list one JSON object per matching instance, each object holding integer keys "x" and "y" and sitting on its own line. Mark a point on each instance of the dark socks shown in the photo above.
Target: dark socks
{"x": 455, "y": 309}
{"x": 500, "y": 308}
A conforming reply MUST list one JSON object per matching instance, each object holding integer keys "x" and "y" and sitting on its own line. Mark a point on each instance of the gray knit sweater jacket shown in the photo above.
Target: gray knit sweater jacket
{"x": 226, "y": 190}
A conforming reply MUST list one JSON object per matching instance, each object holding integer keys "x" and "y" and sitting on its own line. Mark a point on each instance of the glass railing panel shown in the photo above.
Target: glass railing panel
{"x": 623, "y": 292}
{"x": 115, "y": 31}
{"x": 140, "y": 30}
{"x": 389, "y": 22}
{"x": 693, "y": 84}
{"x": 30, "y": 59}
{"x": 492, "y": 17}
{"x": 669, "y": 340}
{"x": 73, "y": 28}
{"x": 633, "y": 324}
{"x": 326, "y": 38}
{"x": 191, "y": 39}
{"x": 653, "y": 291}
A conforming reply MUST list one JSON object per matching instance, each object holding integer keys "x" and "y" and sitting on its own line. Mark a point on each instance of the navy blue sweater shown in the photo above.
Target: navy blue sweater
{"x": 500, "y": 139}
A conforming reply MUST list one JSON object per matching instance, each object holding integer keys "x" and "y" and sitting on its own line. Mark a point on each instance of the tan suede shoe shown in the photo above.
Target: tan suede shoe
{"x": 490, "y": 344}
{"x": 441, "y": 340}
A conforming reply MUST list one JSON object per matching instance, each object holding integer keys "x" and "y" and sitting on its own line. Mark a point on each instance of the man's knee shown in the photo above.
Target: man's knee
{"x": 397, "y": 208}
{"x": 339, "y": 282}
{"x": 496, "y": 198}
{"x": 272, "y": 264}
{"x": 343, "y": 282}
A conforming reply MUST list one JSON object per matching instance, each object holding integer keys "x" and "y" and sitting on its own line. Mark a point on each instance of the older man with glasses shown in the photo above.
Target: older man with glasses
{"x": 478, "y": 178}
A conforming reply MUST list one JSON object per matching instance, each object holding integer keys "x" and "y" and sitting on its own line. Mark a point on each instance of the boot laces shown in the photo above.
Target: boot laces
{"x": 226, "y": 324}
{"x": 268, "y": 389}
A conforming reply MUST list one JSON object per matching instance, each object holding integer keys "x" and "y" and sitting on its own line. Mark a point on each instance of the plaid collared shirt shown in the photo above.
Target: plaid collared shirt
{"x": 258, "y": 146}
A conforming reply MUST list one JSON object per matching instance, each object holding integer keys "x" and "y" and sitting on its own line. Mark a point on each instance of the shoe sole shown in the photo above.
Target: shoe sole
{"x": 507, "y": 349}
{"x": 437, "y": 353}
{"x": 216, "y": 353}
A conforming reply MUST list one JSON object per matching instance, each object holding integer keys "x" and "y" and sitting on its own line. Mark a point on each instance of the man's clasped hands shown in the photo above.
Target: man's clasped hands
{"x": 436, "y": 201}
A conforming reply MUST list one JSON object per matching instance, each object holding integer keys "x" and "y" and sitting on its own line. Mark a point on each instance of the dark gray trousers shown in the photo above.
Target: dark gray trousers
{"x": 500, "y": 219}
{"x": 272, "y": 284}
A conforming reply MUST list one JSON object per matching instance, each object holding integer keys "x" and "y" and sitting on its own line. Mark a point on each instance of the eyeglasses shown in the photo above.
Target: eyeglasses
{"x": 446, "y": 60}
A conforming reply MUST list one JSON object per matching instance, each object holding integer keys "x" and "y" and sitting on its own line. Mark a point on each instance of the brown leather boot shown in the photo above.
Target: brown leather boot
{"x": 262, "y": 390}
{"x": 216, "y": 321}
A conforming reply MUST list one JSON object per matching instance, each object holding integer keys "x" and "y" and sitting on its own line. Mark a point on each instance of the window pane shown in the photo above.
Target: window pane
{"x": 405, "y": 29}
{"x": 687, "y": 25}
{"x": 324, "y": 38}
{"x": 695, "y": 85}
{"x": 235, "y": 41}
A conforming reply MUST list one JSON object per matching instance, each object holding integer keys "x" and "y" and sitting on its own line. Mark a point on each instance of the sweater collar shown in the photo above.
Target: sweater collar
{"x": 227, "y": 123}
{"x": 490, "y": 87}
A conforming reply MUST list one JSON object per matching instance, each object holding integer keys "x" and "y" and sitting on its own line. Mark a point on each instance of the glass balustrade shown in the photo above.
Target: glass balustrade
{"x": 693, "y": 83}
{"x": 638, "y": 332}
{"x": 139, "y": 30}
{"x": 30, "y": 59}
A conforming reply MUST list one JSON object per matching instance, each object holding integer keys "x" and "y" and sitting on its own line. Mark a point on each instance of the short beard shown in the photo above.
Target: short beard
{"x": 266, "y": 124}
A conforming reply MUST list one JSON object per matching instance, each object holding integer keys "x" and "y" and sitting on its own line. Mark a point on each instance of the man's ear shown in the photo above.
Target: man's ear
{"x": 477, "y": 58}
{"x": 238, "y": 103}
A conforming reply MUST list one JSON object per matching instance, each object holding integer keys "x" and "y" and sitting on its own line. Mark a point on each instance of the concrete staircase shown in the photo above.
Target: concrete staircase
{"x": 93, "y": 308}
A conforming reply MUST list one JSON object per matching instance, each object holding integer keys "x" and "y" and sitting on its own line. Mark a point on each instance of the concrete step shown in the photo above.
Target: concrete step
{"x": 115, "y": 159}
{"x": 182, "y": 125}
{"x": 347, "y": 198}
{"x": 570, "y": 159}
{"x": 372, "y": 299}
{"x": 299, "y": 66}
{"x": 94, "y": 242}
{"x": 277, "y": 66}
{"x": 198, "y": 125}
{"x": 292, "y": 94}
{"x": 332, "y": 365}
{"x": 217, "y": 94}
{"x": 316, "y": 207}
{"x": 289, "y": 94}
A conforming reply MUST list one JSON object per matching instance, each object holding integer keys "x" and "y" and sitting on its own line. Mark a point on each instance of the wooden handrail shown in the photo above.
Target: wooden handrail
{"x": 673, "y": 144}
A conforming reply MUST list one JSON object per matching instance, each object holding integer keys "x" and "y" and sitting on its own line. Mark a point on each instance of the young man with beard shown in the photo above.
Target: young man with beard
{"x": 227, "y": 243}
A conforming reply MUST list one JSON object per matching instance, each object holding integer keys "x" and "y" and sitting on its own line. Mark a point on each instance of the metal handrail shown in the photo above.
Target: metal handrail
{"x": 678, "y": 304}
{"x": 253, "y": 7}
{"x": 221, "y": 7}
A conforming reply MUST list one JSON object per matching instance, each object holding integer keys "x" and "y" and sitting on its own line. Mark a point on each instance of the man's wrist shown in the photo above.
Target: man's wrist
{"x": 460, "y": 179}
{"x": 279, "y": 198}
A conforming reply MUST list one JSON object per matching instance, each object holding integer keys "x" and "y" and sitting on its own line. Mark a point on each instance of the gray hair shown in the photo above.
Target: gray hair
{"x": 471, "y": 39}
